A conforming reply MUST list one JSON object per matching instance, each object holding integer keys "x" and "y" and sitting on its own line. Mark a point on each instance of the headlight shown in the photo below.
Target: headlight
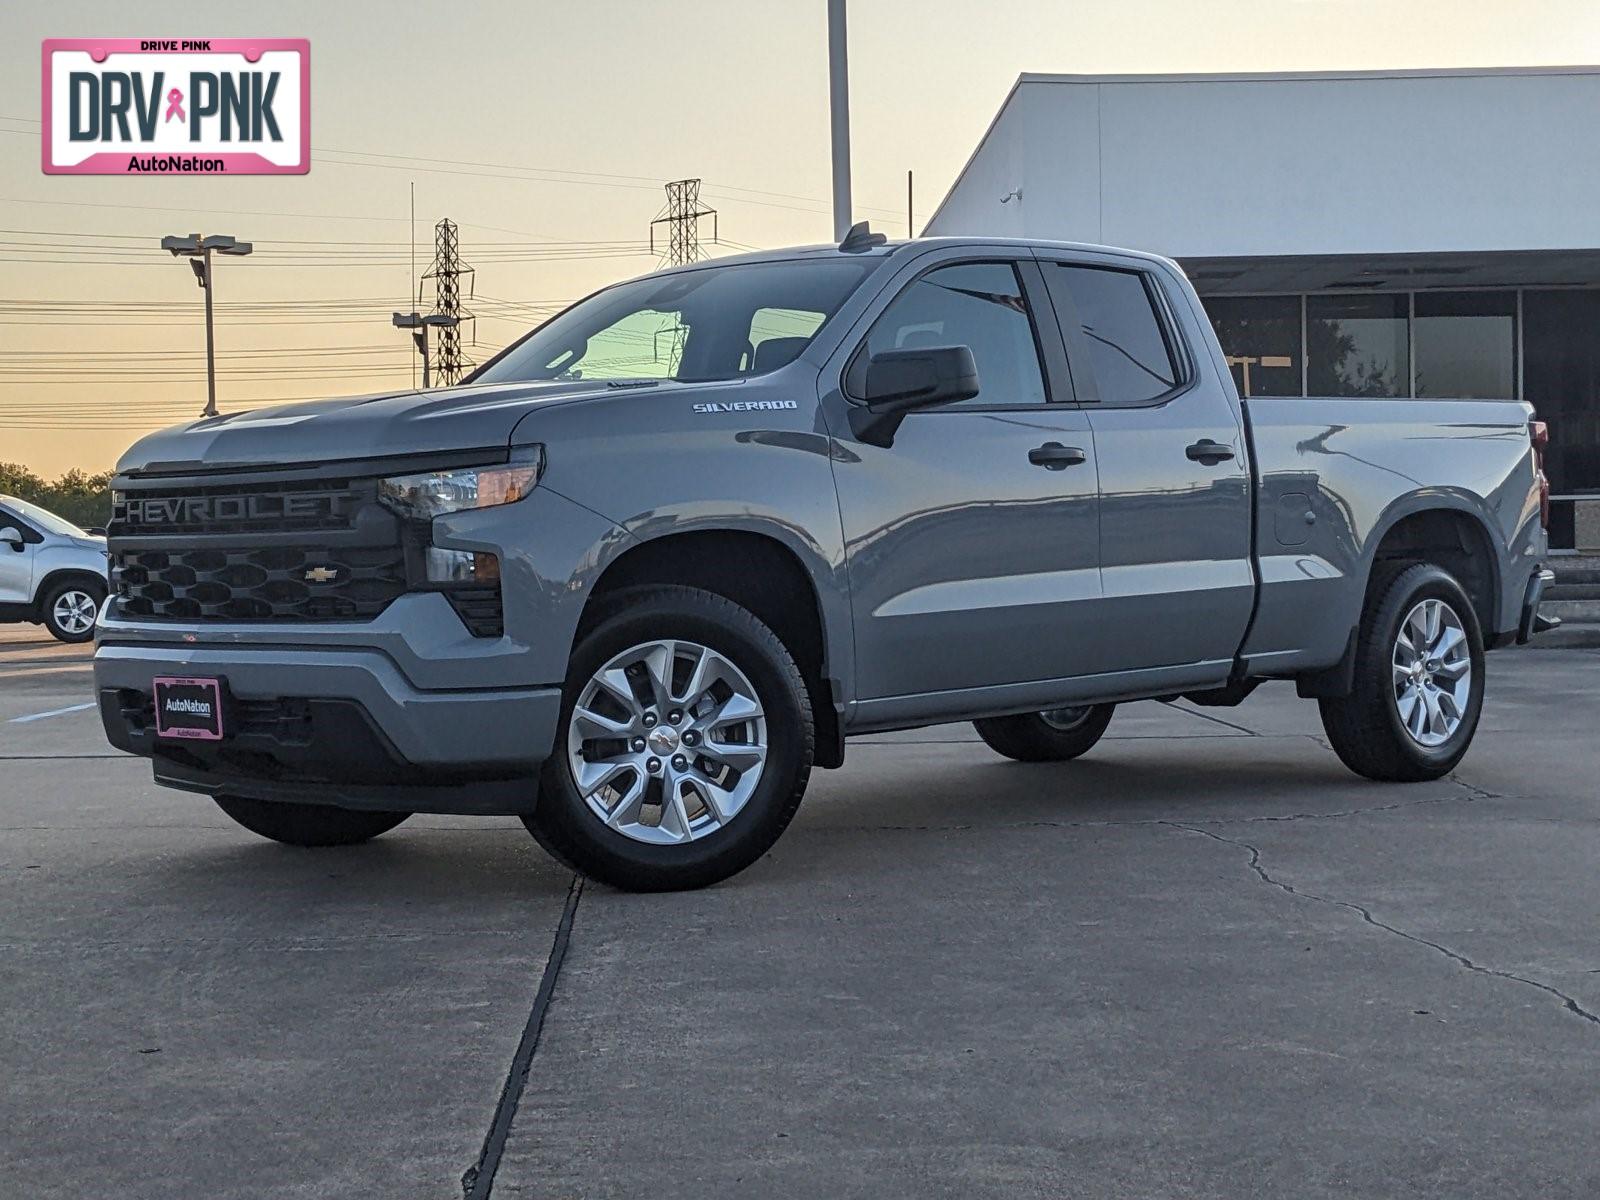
{"x": 431, "y": 494}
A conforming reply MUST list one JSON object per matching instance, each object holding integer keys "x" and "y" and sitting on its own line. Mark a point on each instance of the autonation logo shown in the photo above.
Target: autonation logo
{"x": 213, "y": 106}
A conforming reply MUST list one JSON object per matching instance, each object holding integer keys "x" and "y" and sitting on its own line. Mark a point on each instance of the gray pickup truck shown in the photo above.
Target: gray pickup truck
{"x": 662, "y": 556}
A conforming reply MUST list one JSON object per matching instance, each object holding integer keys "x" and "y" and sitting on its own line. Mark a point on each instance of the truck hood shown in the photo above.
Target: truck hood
{"x": 381, "y": 425}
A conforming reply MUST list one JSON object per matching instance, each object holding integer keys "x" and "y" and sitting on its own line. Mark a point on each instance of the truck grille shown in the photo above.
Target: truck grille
{"x": 240, "y": 584}
{"x": 273, "y": 549}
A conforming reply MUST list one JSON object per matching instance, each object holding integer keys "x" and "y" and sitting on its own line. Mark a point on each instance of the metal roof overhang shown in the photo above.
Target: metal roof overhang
{"x": 1355, "y": 273}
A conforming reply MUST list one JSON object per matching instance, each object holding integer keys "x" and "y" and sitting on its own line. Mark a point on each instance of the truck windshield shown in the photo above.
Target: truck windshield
{"x": 709, "y": 324}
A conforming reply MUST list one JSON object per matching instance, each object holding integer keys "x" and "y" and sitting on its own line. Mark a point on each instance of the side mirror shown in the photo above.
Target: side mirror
{"x": 11, "y": 537}
{"x": 902, "y": 381}
{"x": 96, "y": 531}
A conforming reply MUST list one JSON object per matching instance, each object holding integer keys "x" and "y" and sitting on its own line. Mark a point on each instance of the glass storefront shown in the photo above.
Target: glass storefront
{"x": 1538, "y": 344}
{"x": 1429, "y": 344}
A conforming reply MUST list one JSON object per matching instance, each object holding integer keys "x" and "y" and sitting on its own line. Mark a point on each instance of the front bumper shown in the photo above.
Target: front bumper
{"x": 342, "y": 727}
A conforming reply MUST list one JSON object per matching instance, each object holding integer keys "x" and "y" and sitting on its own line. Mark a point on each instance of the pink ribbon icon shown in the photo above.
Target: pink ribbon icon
{"x": 175, "y": 105}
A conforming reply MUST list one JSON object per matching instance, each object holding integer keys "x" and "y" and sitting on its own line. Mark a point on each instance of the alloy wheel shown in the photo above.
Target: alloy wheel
{"x": 1432, "y": 666}
{"x": 667, "y": 742}
{"x": 74, "y": 612}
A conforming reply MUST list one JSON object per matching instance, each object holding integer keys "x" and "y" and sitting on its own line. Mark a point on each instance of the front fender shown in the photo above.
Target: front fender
{"x": 647, "y": 464}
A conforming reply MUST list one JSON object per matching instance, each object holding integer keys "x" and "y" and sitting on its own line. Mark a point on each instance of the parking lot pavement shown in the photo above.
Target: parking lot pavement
{"x": 1202, "y": 961}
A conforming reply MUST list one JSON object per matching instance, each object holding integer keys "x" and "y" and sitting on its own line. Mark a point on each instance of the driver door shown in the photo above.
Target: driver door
{"x": 16, "y": 562}
{"x": 972, "y": 540}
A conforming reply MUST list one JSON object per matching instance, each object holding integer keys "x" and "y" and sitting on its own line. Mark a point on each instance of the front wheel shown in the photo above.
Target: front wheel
{"x": 1418, "y": 680}
{"x": 1054, "y": 735}
{"x": 684, "y": 745}
{"x": 308, "y": 824}
{"x": 69, "y": 609}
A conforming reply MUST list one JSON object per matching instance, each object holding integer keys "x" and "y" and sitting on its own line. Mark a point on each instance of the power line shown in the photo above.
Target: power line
{"x": 534, "y": 174}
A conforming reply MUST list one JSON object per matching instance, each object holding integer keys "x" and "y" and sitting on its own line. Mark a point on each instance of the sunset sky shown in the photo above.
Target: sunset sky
{"x": 546, "y": 131}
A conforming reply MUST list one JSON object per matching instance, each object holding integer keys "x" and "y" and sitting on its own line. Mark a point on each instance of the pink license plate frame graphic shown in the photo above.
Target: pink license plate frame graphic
{"x": 233, "y": 162}
{"x": 210, "y": 687}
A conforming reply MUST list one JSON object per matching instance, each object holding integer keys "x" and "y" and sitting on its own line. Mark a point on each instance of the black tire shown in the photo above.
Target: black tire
{"x": 1365, "y": 727}
{"x": 93, "y": 588}
{"x": 564, "y": 824}
{"x": 1033, "y": 737}
{"x": 308, "y": 824}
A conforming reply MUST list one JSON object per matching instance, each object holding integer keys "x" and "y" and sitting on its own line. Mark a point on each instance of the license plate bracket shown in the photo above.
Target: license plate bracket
{"x": 190, "y": 708}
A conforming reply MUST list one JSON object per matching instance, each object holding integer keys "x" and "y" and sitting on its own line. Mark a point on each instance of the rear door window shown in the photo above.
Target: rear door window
{"x": 1124, "y": 336}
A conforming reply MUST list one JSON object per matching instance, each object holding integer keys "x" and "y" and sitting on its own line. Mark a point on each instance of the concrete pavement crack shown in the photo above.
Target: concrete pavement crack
{"x": 477, "y": 1182}
{"x": 1455, "y": 956}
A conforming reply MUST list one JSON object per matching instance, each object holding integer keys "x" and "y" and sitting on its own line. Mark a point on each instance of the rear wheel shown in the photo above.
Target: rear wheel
{"x": 69, "y": 609}
{"x": 684, "y": 748}
{"x": 1418, "y": 680}
{"x": 308, "y": 824}
{"x": 1054, "y": 735}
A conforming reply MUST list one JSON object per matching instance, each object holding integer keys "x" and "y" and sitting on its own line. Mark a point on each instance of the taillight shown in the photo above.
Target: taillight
{"x": 1539, "y": 435}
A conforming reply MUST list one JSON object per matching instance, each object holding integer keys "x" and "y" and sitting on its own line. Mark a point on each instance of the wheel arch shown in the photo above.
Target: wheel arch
{"x": 1447, "y": 529}
{"x": 62, "y": 575}
{"x": 1450, "y": 530}
{"x": 760, "y": 572}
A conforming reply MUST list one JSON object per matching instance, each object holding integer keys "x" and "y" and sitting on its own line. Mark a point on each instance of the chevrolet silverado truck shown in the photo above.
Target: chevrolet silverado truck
{"x": 652, "y": 563}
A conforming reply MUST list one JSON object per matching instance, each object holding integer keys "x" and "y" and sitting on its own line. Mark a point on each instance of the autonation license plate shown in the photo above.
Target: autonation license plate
{"x": 189, "y": 708}
{"x": 156, "y": 106}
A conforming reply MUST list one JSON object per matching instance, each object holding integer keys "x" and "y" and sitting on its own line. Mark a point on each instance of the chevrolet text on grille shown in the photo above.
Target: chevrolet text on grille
{"x": 183, "y": 510}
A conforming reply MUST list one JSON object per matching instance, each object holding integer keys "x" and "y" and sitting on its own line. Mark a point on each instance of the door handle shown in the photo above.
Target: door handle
{"x": 1209, "y": 452}
{"x": 1053, "y": 456}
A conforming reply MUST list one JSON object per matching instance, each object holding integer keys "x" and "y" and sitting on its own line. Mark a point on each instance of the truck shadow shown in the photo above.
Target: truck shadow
{"x": 1211, "y": 785}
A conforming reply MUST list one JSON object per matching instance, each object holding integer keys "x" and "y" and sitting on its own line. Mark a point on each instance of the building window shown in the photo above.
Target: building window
{"x": 1466, "y": 344}
{"x": 1357, "y": 346}
{"x": 1261, "y": 337}
{"x": 1561, "y": 380}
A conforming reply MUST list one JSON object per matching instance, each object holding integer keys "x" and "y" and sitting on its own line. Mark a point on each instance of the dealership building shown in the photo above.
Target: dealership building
{"x": 1396, "y": 233}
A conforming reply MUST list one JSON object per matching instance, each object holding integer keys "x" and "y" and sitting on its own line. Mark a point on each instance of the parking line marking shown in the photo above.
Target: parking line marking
{"x": 54, "y": 712}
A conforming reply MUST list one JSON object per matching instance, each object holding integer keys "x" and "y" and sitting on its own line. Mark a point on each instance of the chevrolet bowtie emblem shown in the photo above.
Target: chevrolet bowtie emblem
{"x": 321, "y": 574}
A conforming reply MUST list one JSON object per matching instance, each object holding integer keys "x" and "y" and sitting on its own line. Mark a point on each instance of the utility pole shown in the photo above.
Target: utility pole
{"x": 413, "y": 275}
{"x": 839, "y": 108}
{"x": 681, "y": 216}
{"x": 198, "y": 249}
{"x": 447, "y": 273}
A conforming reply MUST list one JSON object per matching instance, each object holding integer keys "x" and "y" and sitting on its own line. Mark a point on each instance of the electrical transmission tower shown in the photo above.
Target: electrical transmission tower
{"x": 682, "y": 216}
{"x": 447, "y": 274}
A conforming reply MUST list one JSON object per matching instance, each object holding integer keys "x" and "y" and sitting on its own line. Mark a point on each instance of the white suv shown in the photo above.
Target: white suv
{"x": 51, "y": 572}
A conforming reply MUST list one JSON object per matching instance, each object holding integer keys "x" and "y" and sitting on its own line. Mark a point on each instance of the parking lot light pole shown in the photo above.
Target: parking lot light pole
{"x": 419, "y": 324}
{"x": 197, "y": 249}
{"x": 839, "y": 113}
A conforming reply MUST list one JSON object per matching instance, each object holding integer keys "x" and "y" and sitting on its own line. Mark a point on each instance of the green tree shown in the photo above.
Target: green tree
{"x": 77, "y": 496}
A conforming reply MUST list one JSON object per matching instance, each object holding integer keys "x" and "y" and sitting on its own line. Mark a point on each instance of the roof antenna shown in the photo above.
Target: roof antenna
{"x": 861, "y": 238}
